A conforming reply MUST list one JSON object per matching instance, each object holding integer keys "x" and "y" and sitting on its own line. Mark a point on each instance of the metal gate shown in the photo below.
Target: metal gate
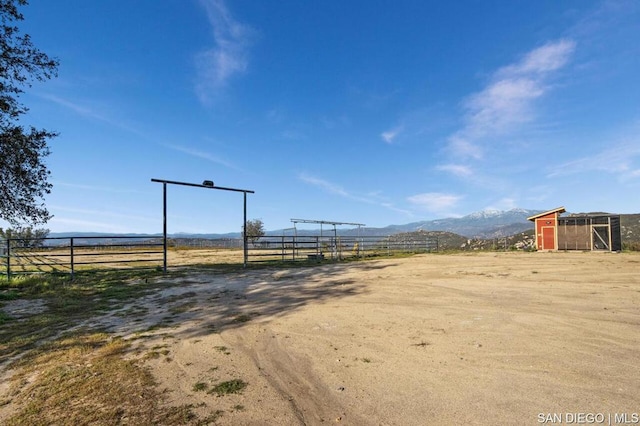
{"x": 601, "y": 240}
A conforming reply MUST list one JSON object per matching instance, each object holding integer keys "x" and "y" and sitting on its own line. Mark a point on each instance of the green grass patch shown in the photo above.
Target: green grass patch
{"x": 180, "y": 309}
{"x": 242, "y": 318}
{"x": 9, "y": 294}
{"x": 4, "y": 317}
{"x": 228, "y": 387}
{"x": 200, "y": 387}
{"x": 222, "y": 349}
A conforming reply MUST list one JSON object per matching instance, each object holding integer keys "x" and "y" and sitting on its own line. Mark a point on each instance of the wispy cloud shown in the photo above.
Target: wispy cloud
{"x": 634, "y": 174}
{"x": 203, "y": 155}
{"x": 508, "y": 100}
{"x": 100, "y": 220}
{"x": 96, "y": 188}
{"x": 390, "y": 135}
{"x": 435, "y": 202}
{"x": 228, "y": 56}
{"x": 75, "y": 107}
{"x": 456, "y": 169}
{"x": 550, "y": 57}
{"x": 397, "y": 209}
{"x": 326, "y": 186}
{"x": 332, "y": 188}
{"x": 621, "y": 159}
{"x": 464, "y": 147}
{"x": 479, "y": 177}
{"x": 100, "y": 213}
{"x": 91, "y": 113}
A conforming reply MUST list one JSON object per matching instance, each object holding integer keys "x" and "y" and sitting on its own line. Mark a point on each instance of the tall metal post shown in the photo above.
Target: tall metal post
{"x": 245, "y": 249}
{"x": 335, "y": 243}
{"x": 9, "y": 259}
{"x": 164, "y": 227}
{"x": 71, "y": 259}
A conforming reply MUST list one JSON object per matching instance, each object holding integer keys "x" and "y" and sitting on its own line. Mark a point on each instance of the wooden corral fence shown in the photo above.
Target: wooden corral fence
{"x": 21, "y": 256}
{"x": 305, "y": 248}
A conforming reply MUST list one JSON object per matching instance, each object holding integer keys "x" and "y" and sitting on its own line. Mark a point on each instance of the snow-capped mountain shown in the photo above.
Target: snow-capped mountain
{"x": 482, "y": 224}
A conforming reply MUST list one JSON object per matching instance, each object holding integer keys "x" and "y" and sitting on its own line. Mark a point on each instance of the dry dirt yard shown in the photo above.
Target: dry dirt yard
{"x": 483, "y": 338}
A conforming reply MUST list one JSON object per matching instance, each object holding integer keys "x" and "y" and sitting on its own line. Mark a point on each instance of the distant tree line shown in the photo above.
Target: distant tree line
{"x": 27, "y": 237}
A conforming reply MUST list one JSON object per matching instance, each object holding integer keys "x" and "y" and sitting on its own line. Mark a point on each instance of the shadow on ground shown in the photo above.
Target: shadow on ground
{"x": 205, "y": 302}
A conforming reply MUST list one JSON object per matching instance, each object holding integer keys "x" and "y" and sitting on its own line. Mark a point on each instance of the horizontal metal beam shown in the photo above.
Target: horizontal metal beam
{"x": 198, "y": 185}
{"x": 325, "y": 222}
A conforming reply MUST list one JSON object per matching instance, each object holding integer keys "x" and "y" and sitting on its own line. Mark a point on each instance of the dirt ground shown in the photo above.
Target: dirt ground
{"x": 482, "y": 338}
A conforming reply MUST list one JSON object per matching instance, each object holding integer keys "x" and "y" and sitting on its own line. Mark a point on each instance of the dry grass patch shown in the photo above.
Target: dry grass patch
{"x": 87, "y": 379}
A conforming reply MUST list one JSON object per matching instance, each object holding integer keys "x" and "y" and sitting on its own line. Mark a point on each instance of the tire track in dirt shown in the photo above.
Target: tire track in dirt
{"x": 292, "y": 376}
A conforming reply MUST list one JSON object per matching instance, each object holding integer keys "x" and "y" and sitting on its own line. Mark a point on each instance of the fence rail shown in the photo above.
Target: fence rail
{"x": 69, "y": 255}
{"x": 25, "y": 256}
{"x": 296, "y": 248}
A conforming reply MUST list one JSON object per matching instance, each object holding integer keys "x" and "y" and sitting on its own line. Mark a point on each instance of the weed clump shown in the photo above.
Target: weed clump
{"x": 228, "y": 387}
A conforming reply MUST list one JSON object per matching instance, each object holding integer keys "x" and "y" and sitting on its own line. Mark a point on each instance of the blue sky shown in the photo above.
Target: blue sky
{"x": 384, "y": 112}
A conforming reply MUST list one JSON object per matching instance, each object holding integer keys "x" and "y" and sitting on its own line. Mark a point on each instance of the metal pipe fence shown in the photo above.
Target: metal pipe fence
{"x": 297, "y": 248}
{"x": 68, "y": 255}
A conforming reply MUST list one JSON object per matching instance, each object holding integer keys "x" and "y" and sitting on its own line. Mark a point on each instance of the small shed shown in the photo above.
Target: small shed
{"x": 546, "y": 227}
{"x": 586, "y": 232}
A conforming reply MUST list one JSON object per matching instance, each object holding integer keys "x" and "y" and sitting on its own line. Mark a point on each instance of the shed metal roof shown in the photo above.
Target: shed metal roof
{"x": 556, "y": 210}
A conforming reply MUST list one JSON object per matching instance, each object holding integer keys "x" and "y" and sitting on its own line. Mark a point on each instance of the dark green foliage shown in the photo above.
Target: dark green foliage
{"x": 631, "y": 246}
{"x": 23, "y": 173}
{"x": 27, "y": 237}
{"x": 255, "y": 230}
{"x": 228, "y": 387}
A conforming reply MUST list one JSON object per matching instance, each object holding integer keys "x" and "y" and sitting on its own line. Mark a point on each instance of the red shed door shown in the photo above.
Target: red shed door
{"x": 548, "y": 238}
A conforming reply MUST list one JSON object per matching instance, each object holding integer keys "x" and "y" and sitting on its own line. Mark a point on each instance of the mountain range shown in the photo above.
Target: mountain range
{"x": 486, "y": 224}
{"x": 483, "y": 224}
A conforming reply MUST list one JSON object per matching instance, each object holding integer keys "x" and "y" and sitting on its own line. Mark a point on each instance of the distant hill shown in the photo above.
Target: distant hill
{"x": 450, "y": 241}
{"x": 630, "y": 230}
{"x": 523, "y": 240}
